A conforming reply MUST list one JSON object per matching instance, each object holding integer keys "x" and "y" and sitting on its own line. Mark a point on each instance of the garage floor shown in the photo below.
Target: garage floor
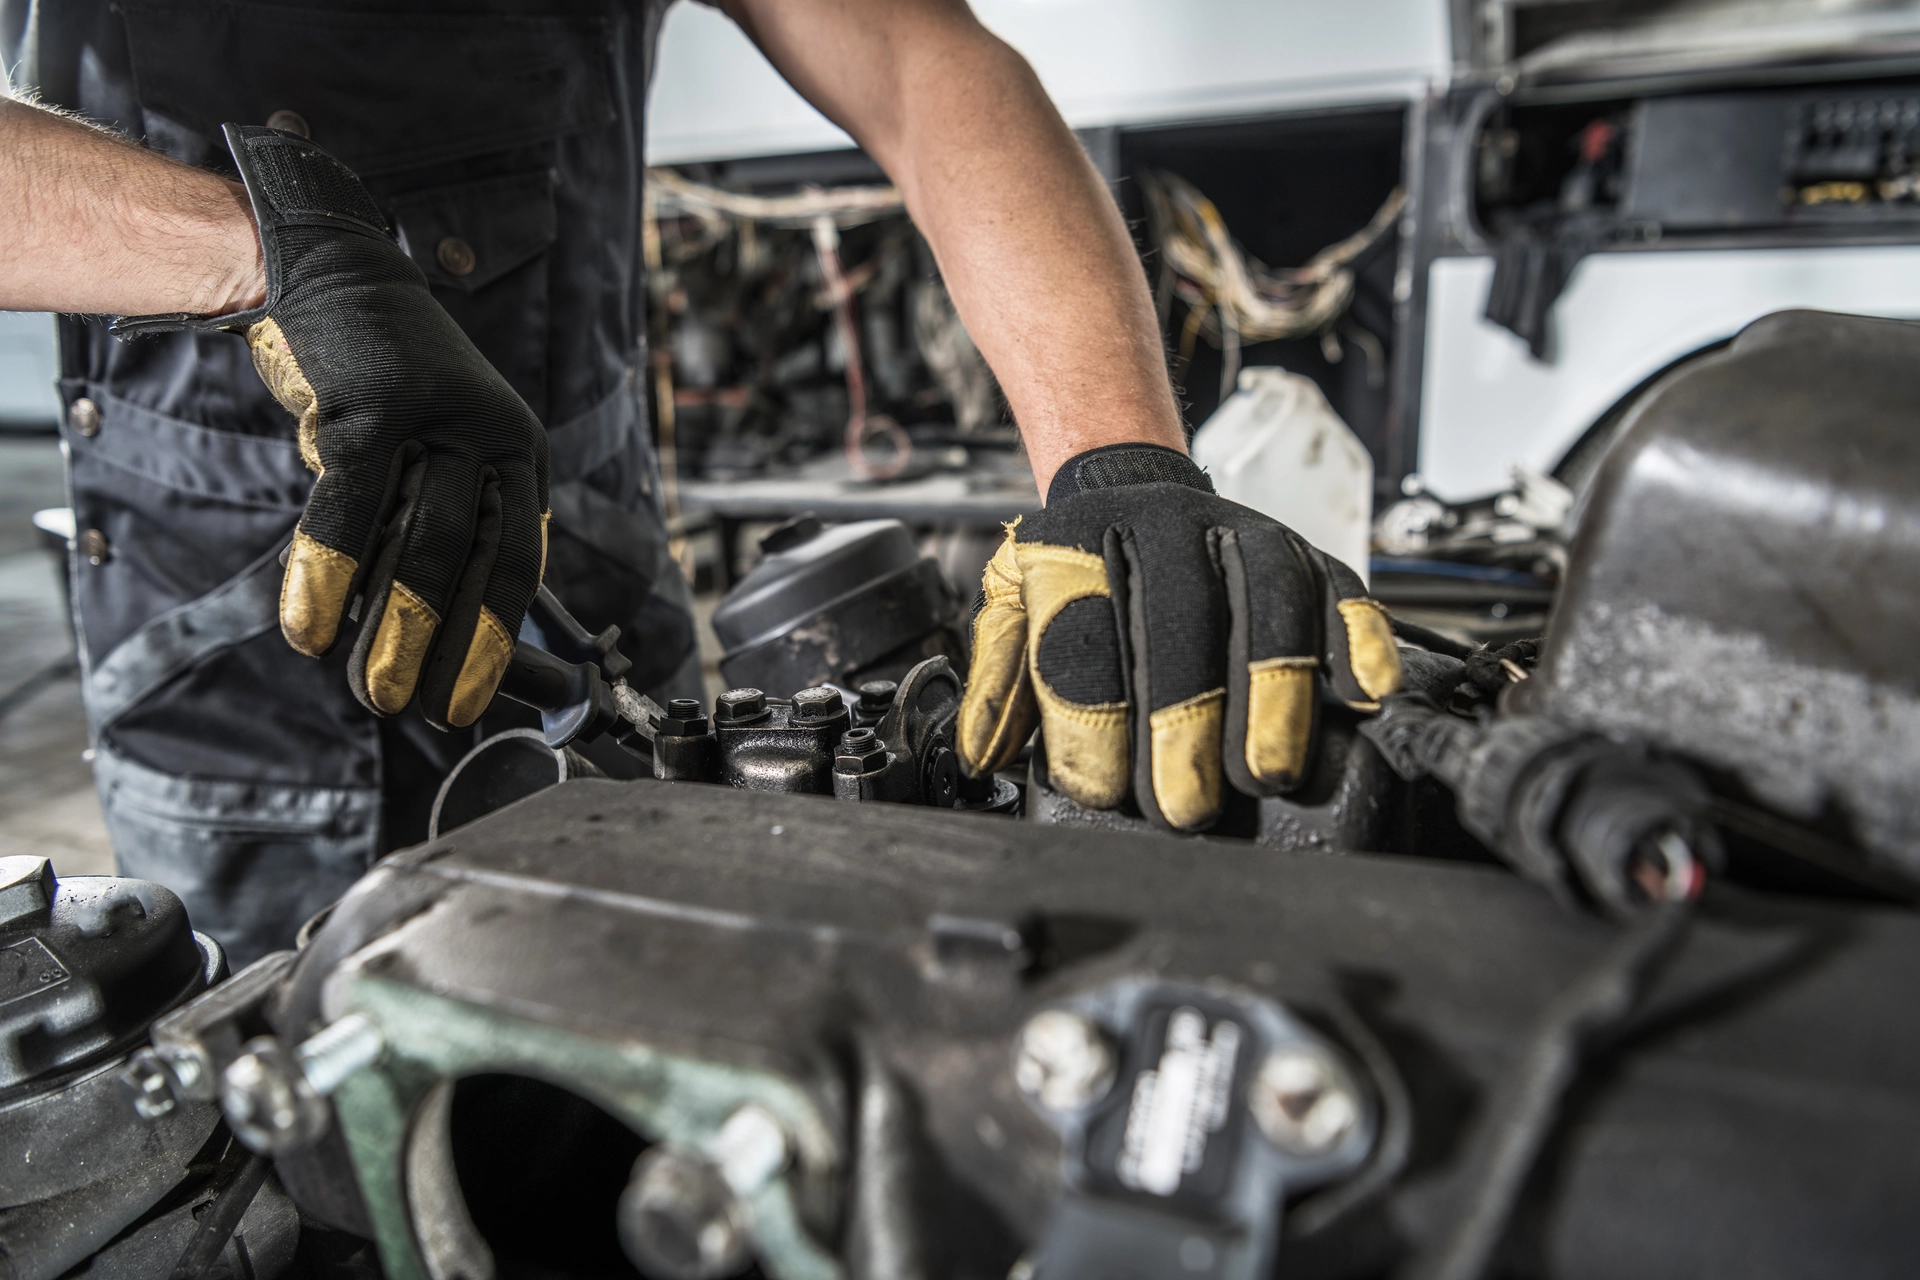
{"x": 47, "y": 802}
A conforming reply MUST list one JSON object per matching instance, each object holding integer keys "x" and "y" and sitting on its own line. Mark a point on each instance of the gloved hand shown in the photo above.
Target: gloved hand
{"x": 1160, "y": 635}
{"x": 431, "y": 502}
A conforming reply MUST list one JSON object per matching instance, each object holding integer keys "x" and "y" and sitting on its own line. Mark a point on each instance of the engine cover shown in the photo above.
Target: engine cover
{"x": 857, "y": 977}
{"x": 1744, "y": 588}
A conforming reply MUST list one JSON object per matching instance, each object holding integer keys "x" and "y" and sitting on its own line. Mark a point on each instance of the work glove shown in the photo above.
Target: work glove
{"x": 431, "y": 503}
{"x": 1163, "y": 639}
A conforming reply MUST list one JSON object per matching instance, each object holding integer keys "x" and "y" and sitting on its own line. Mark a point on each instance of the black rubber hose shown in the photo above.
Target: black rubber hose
{"x": 1527, "y": 1104}
{"x": 221, "y": 1219}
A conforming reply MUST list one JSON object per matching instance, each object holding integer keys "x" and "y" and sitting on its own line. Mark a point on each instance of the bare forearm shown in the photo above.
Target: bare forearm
{"x": 1036, "y": 255}
{"x": 98, "y": 226}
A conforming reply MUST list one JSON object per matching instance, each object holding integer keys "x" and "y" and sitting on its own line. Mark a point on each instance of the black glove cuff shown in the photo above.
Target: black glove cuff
{"x": 1112, "y": 466}
{"x": 290, "y": 182}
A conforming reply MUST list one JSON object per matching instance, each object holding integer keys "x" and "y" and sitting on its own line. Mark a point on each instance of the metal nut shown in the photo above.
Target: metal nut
{"x": 685, "y": 718}
{"x": 267, "y": 1101}
{"x": 149, "y": 1084}
{"x": 1062, "y": 1060}
{"x": 679, "y": 1220}
{"x": 859, "y": 751}
{"x": 1303, "y": 1102}
{"x": 274, "y": 1100}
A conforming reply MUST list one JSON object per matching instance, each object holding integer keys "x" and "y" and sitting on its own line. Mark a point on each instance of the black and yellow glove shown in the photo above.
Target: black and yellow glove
{"x": 1161, "y": 637}
{"x": 431, "y": 502}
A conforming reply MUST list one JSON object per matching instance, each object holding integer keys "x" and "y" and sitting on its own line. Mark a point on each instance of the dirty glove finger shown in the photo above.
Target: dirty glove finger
{"x": 328, "y": 561}
{"x": 1271, "y": 658}
{"x": 998, "y": 712}
{"x": 412, "y": 582}
{"x": 1175, "y": 654}
{"x": 1363, "y": 662}
{"x": 502, "y": 573}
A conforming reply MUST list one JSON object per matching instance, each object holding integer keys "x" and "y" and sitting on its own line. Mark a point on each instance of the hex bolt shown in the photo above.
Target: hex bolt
{"x": 1062, "y": 1060}
{"x": 876, "y": 696}
{"x": 146, "y": 1079}
{"x": 737, "y": 706}
{"x": 679, "y": 1220}
{"x": 267, "y": 1101}
{"x": 685, "y": 718}
{"x": 860, "y": 750}
{"x": 818, "y": 703}
{"x": 274, "y": 1100}
{"x": 1303, "y": 1102}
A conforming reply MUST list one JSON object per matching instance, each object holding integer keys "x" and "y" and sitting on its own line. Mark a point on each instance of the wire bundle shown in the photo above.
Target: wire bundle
{"x": 1233, "y": 298}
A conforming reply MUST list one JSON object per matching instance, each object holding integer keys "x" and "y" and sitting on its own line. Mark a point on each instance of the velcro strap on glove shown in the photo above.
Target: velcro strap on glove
{"x": 1114, "y": 466}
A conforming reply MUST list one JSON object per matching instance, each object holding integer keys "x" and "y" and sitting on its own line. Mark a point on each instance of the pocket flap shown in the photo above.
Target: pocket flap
{"x": 382, "y": 91}
{"x": 469, "y": 235}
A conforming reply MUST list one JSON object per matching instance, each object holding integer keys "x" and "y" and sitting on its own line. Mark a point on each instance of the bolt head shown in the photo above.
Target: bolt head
{"x": 739, "y": 704}
{"x": 1303, "y": 1101}
{"x": 943, "y": 778}
{"x": 817, "y": 704}
{"x": 678, "y": 1219}
{"x": 267, "y": 1101}
{"x": 1063, "y": 1061}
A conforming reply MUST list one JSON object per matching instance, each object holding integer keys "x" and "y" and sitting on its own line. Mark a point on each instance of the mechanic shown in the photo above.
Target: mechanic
{"x": 434, "y": 249}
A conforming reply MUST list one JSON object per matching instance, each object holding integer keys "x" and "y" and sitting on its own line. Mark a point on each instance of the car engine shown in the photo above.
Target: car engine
{"x": 1581, "y": 958}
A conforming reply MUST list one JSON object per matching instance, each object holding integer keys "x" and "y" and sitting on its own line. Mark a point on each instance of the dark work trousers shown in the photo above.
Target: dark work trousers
{"x": 503, "y": 141}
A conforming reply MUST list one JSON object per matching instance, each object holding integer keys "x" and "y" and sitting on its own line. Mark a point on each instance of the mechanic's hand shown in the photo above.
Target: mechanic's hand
{"x": 432, "y": 498}
{"x": 1137, "y": 590}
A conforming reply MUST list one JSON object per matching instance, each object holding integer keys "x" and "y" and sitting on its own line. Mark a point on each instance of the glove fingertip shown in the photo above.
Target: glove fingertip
{"x": 1188, "y": 787}
{"x": 1372, "y": 655}
{"x": 314, "y": 594}
{"x": 399, "y": 650}
{"x": 480, "y": 671}
{"x": 1279, "y": 727}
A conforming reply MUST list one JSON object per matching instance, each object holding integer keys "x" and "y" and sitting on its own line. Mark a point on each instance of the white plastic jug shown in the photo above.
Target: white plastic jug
{"x": 1277, "y": 446}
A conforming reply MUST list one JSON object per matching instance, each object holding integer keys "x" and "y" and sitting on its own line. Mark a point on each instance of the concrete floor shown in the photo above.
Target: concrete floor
{"x": 47, "y": 801}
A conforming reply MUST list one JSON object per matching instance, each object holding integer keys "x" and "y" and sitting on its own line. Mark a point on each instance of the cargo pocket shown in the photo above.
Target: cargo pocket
{"x": 483, "y": 246}
{"x": 250, "y": 860}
